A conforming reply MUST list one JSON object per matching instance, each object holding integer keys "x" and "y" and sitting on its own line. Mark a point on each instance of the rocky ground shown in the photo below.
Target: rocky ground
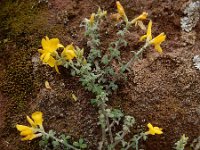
{"x": 163, "y": 89}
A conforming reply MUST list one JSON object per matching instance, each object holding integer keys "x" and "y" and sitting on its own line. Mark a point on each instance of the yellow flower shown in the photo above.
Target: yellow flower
{"x": 153, "y": 130}
{"x": 49, "y": 51}
{"x": 92, "y": 18}
{"x": 69, "y": 52}
{"x": 37, "y": 117}
{"x": 31, "y": 132}
{"x": 120, "y": 9}
{"x": 147, "y": 36}
{"x": 155, "y": 41}
{"x": 143, "y": 16}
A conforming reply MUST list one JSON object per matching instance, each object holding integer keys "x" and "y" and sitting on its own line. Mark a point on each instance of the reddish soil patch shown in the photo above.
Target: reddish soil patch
{"x": 163, "y": 89}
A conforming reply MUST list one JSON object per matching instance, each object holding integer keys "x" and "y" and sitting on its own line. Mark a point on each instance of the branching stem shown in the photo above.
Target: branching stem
{"x": 136, "y": 143}
{"x": 58, "y": 140}
{"x": 119, "y": 140}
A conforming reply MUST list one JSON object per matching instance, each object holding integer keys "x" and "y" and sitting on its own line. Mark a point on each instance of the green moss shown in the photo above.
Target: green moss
{"x": 19, "y": 20}
{"x": 17, "y": 83}
{"x": 21, "y": 16}
{"x": 18, "y": 77}
{"x": 23, "y": 23}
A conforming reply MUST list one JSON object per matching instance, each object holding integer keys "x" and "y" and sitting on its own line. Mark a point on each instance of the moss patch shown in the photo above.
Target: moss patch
{"x": 22, "y": 23}
{"x": 18, "y": 17}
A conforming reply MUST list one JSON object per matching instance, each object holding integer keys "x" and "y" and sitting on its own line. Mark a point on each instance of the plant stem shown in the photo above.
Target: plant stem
{"x": 136, "y": 143}
{"x": 111, "y": 125}
{"x": 119, "y": 140}
{"x": 104, "y": 139}
{"x": 134, "y": 57}
{"x": 59, "y": 140}
{"x": 108, "y": 127}
{"x": 72, "y": 65}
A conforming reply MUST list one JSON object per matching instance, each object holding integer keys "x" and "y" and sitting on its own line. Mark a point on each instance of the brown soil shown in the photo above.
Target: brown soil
{"x": 163, "y": 89}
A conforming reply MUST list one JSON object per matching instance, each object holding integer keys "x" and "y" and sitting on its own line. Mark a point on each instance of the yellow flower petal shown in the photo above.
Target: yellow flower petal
{"x": 46, "y": 37}
{"x": 60, "y": 45}
{"x": 150, "y": 126}
{"x": 37, "y": 117}
{"x": 46, "y": 57}
{"x": 54, "y": 44}
{"x": 22, "y": 127}
{"x": 149, "y": 36}
{"x": 70, "y": 47}
{"x": 51, "y": 62}
{"x": 69, "y": 52}
{"x": 143, "y": 37}
{"x": 41, "y": 51}
{"x": 158, "y": 130}
{"x": 54, "y": 54}
{"x": 158, "y": 48}
{"x": 26, "y": 132}
{"x": 42, "y": 56}
{"x": 50, "y": 45}
{"x": 153, "y": 130}
{"x": 49, "y": 50}
{"x": 92, "y": 18}
{"x": 120, "y": 9}
{"x": 31, "y": 122}
{"x": 70, "y": 55}
{"x": 57, "y": 70}
{"x": 44, "y": 44}
{"x": 143, "y": 16}
{"x": 35, "y": 136}
{"x": 158, "y": 39}
{"x": 29, "y": 137}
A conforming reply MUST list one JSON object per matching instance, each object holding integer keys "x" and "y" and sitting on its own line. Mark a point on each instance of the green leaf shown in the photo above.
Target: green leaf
{"x": 83, "y": 146}
{"x": 94, "y": 101}
{"x": 76, "y": 144}
{"x": 113, "y": 86}
{"x": 73, "y": 72}
{"x": 55, "y": 144}
{"x": 105, "y": 60}
{"x": 124, "y": 143}
{"x": 51, "y": 133}
{"x": 80, "y": 141}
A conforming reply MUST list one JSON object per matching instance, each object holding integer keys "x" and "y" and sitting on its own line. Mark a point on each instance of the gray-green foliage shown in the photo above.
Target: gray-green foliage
{"x": 92, "y": 31}
{"x": 104, "y": 72}
{"x": 61, "y": 142}
{"x": 180, "y": 145}
{"x": 80, "y": 144}
{"x": 99, "y": 75}
{"x": 193, "y": 13}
